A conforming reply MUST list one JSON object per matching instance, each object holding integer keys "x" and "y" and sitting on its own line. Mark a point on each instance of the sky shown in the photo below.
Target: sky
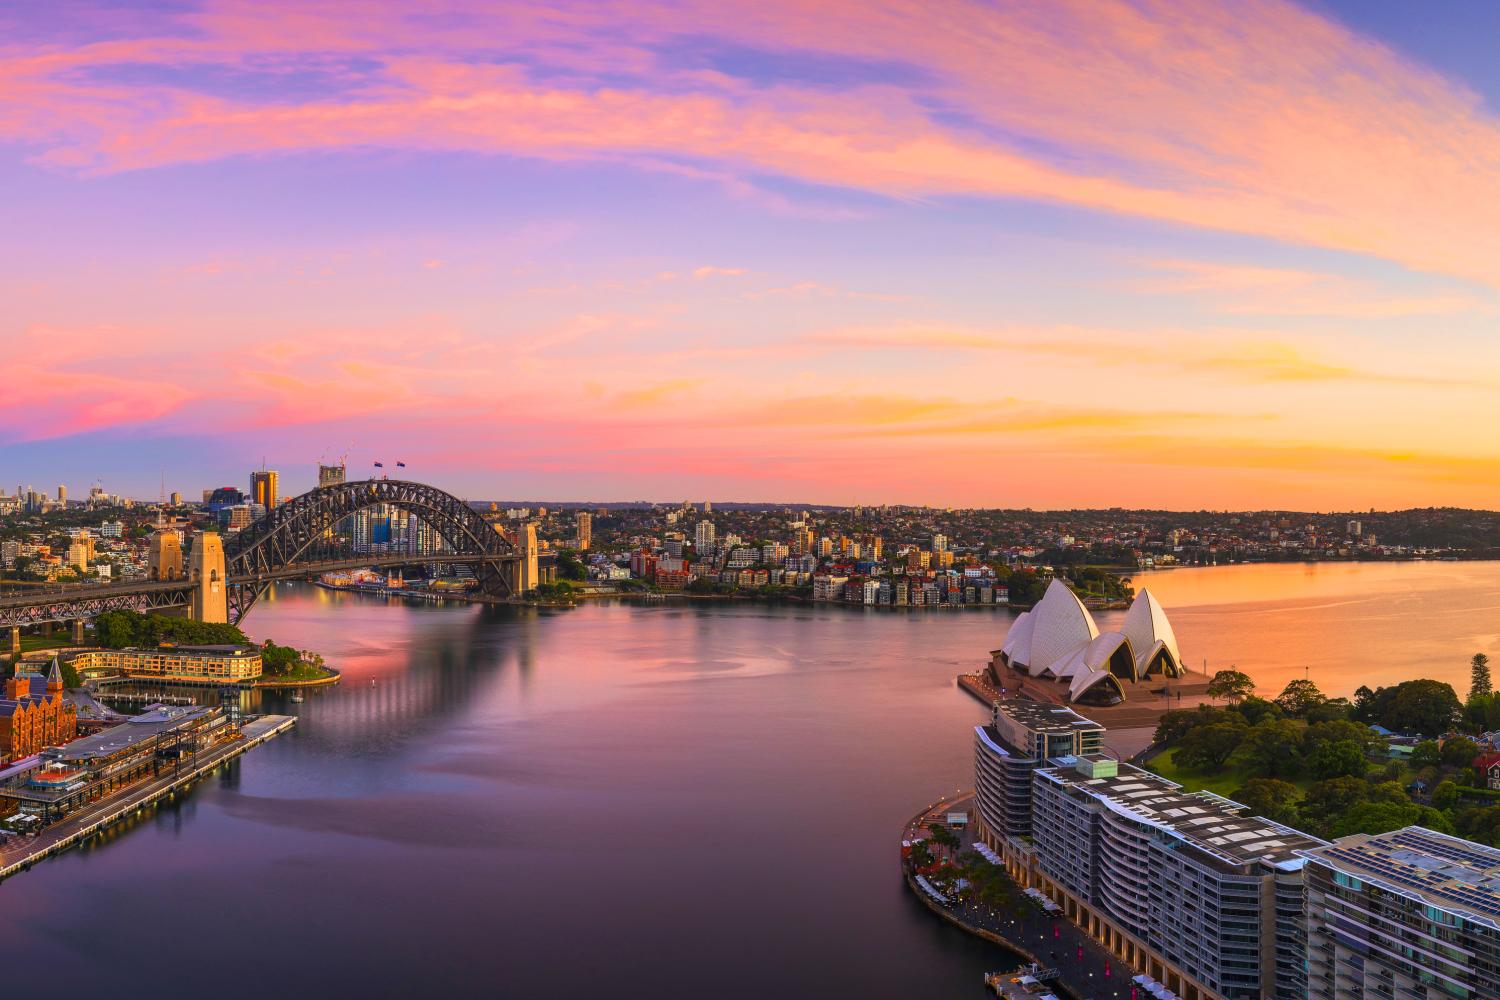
{"x": 1049, "y": 254}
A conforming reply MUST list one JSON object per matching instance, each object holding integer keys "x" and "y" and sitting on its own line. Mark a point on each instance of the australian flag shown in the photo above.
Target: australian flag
{"x": 400, "y": 465}
{"x": 379, "y": 465}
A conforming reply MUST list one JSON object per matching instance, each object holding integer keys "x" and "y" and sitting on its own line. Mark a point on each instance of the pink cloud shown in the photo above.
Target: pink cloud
{"x": 1261, "y": 118}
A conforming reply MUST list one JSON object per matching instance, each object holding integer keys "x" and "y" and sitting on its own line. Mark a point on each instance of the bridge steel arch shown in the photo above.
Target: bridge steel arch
{"x": 274, "y": 547}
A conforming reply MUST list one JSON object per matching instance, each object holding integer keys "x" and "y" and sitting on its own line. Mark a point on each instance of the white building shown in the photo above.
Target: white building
{"x": 1057, "y": 640}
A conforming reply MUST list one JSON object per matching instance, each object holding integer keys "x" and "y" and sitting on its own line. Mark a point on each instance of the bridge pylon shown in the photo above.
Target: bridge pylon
{"x": 210, "y": 593}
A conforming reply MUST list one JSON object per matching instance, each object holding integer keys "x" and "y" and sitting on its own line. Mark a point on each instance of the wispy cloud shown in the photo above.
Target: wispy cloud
{"x": 1261, "y": 118}
{"x": 1244, "y": 289}
{"x": 1227, "y": 354}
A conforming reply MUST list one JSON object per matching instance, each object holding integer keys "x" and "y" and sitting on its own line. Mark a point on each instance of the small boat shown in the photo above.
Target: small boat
{"x": 296, "y": 698}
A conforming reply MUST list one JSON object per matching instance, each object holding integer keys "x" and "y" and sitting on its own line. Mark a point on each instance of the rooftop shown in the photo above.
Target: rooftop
{"x": 135, "y": 730}
{"x": 1041, "y": 717}
{"x": 1457, "y": 875}
{"x": 1219, "y": 826}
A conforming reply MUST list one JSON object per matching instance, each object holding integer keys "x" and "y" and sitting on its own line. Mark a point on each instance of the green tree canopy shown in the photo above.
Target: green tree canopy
{"x": 1458, "y": 751}
{"x": 1273, "y": 748}
{"x": 1426, "y": 707}
{"x": 1208, "y": 747}
{"x": 1270, "y": 797}
{"x": 1479, "y": 675}
{"x": 1426, "y": 754}
{"x": 1299, "y": 696}
{"x": 1231, "y": 685}
{"x": 118, "y": 629}
{"x": 1338, "y": 759}
{"x": 1327, "y": 800}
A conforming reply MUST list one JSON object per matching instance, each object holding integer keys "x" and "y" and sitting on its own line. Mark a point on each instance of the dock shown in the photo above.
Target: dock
{"x": 85, "y": 823}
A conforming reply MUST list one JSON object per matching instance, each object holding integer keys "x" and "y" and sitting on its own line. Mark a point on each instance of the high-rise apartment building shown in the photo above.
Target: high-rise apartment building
{"x": 1023, "y": 736}
{"x": 62, "y": 494}
{"x": 176, "y": 499}
{"x": 1411, "y": 914}
{"x": 703, "y": 538}
{"x": 585, "y": 529}
{"x": 1189, "y": 888}
{"x": 263, "y": 488}
{"x": 940, "y": 543}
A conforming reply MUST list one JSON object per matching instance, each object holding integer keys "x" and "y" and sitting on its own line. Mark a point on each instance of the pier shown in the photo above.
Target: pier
{"x": 21, "y": 852}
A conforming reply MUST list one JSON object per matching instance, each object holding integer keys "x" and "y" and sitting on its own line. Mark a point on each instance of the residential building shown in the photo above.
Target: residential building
{"x": 585, "y": 523}
{"x": 703, "y": 538}
{"x": 1022, "y": 736}
{"x": 1188, "y": 888}
{"x": 172, "y": 663}
{"x": 1411, "y": 915}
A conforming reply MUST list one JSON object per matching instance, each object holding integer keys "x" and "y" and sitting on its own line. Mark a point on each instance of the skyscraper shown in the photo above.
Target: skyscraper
{"x": 62, "y": 494}
{"x": 330, "y": 475}
{"x": 263, "y": 487}
{"x": 585, "y": 529}
{"x": 703, "y": 537}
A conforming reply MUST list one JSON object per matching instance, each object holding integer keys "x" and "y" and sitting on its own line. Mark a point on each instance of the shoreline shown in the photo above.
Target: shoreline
{"x": 1025, "y": 954}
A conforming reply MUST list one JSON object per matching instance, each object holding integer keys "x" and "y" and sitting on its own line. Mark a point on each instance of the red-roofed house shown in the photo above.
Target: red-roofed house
{"x": 1488, "y": 767}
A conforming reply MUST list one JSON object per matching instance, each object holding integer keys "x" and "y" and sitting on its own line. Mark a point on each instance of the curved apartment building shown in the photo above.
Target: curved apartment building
{"x": 229, "y": 664}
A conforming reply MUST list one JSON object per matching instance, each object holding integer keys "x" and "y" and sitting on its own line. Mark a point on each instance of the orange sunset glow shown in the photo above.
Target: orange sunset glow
{"x": 1168, "y": 254}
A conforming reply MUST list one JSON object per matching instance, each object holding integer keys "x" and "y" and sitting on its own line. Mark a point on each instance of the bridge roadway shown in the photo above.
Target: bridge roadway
{"x": 38, "y": 605}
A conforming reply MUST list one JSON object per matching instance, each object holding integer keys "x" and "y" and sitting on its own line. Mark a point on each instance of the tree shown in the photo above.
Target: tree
{"x": 1299, "y": 696}
{"x": 1445, "y": 795}
{"x": 1325, "y": 801}
{"x": 69, "y": 673}
{"x": 1270, "y": 797}
{"x": 1422, "y": 706}
{"x": 1338, "y": 759}
{"x": 1273, "y": 748}
{"x": 1375, "y": 817}
{"x": 1458, "y": 751}
{"x": 1231, "y": 685}
{"x": 1254, "y": 708}
{"x": 943, "y": 837}
{"x": 1335, "y": 730}
{"x": 569, "y": 567}
{"x": 1177, "y": 723}
{"x": 1426, "y": 754}
{"x": 1479, "y": 675}
{"x": 1330, "y": 710}
{"x": 1208, "y": 747}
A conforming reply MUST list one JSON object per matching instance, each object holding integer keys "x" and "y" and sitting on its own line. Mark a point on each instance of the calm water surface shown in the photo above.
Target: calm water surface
{"x": 627, "y": 801}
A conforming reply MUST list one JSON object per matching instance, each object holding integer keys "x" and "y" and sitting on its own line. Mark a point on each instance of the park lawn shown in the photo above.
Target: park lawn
{"x": 301, "y": 672}
{"x": 1224, "y": 782}
{"x": 31, "y": 643}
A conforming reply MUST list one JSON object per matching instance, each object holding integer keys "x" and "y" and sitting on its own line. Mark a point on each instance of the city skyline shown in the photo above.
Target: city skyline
{"x": 1046, "y": 255}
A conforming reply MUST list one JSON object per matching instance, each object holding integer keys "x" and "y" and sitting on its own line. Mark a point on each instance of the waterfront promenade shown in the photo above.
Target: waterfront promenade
{"x": 1088, "y": 970}
{"x": 20, "y": 852}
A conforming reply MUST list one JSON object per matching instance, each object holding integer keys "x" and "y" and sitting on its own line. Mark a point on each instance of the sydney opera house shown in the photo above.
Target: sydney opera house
{"x": 1058, "y": 644}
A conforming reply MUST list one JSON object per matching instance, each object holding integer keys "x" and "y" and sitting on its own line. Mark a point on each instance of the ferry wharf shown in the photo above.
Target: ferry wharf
{"x": 20, "y": 852}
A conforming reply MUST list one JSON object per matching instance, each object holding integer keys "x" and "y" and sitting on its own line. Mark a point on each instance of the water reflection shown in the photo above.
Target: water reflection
{"x": 656, "y": 800}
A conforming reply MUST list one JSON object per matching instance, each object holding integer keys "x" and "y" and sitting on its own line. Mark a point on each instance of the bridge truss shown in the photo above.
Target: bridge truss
{"x": 297, "y": 540}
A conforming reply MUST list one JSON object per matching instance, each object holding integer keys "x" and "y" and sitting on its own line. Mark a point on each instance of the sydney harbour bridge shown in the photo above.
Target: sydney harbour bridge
{"x": 299, "y": 540}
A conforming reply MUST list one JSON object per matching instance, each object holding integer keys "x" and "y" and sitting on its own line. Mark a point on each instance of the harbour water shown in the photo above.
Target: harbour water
{"x": 652, "y": 800}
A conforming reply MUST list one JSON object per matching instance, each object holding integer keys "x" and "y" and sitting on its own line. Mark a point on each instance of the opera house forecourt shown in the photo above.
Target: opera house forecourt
{"x": 1056, "y": 652}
